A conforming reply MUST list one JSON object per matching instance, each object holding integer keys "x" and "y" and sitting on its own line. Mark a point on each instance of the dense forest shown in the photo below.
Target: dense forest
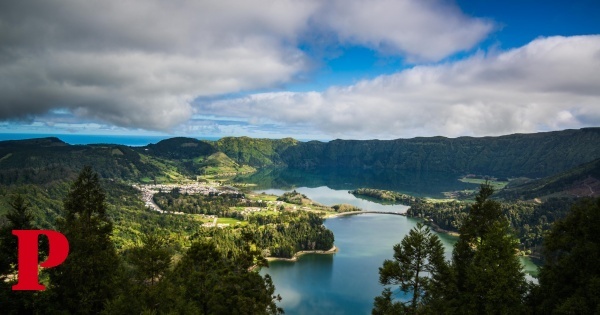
{"x": 40, "y": 161}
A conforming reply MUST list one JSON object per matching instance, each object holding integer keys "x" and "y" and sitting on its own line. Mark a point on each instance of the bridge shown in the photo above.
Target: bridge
{"x": 368, "y": 211}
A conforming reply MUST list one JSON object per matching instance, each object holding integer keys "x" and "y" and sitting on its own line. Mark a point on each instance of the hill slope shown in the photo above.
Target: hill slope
{"x": 41, "y": 161}
{"x": 531, "y": 155}
{"x": 581, "y": 181}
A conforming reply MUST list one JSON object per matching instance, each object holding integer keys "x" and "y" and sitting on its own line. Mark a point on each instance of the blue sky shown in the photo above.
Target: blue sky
{"x": 311, "y": 69}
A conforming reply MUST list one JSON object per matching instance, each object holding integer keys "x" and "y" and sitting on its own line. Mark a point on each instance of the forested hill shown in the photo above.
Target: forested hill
{"x": 255, "y": 152}
{"x": 46, "y": 160}
{"x": 531, "y": 155}
{"x": 581, "y": 181}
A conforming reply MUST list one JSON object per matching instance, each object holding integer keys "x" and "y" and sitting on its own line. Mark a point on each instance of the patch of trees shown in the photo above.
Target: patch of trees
{"x": 292, "y": 197}
{"x": 341, "y": 208}
{"x": 281, "y": 235}
{"x": 212, "y": 204}
{"x": 386, "y": 195}
{"x": 484, "y": 275}
{"x": 529, "y": 220}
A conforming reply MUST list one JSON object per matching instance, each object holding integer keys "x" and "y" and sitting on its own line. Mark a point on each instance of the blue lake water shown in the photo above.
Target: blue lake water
{"x": 345, "y": 282}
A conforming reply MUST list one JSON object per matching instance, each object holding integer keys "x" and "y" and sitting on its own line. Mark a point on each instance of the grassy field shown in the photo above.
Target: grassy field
{"x": 497, "y": 185}
{"x": 230, "y": 221}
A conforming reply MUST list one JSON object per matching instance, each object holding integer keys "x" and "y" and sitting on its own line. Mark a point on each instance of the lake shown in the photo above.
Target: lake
{"x": 345, "y": 282}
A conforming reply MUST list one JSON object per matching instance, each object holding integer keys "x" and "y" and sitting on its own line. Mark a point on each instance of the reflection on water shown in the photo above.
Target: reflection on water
{"x": 330, "y": 197}
{"x": 346, "y": 282}
{"x": 423, "y": 184}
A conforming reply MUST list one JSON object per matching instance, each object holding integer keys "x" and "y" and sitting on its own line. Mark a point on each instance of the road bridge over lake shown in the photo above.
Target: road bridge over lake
{"x": 368, "y": 211}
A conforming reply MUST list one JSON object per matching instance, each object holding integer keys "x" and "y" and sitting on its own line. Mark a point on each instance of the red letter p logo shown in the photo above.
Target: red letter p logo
{"x": 58, "y": 249}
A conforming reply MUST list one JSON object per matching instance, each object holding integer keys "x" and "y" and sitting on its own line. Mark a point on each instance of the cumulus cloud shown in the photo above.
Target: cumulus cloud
{"x": 140, "y": 64}
{"x": 426, "y": 30}
{"x": 551, "y": 83}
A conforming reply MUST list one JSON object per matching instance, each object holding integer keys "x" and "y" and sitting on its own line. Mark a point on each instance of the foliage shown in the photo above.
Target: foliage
{"x": 19, "y": 217}
{"x": 280, "y": 235}
{"x": 341, "y": 208}
{"x": 532, "y": 155}
{"x": 87, "y": 278}
{"x": 528, "y": 219}
{"x": 293, "y": 197}
{"x": 569, "y": 281}
{"x": 212, "y": 204}
{"x": 255, "y": 152}
{"x": 575, "y": 182}
{"x": 418, "y": 261}
{"x": 488, "y": 276}
{"x": 385, "y": 195}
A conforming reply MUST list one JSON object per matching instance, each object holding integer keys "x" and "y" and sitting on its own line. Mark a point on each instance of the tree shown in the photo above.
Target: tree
{"x": 19, "y": 217}
{"x": 215, "y": 284}
{"x": 85, "y": 281}
{"x": 144, "y": 289}
{"x": 488, "y": 276}
{"x": 569, "y": 281}
{"x": 152, "y": 259}
{"x": 418, "y": 260}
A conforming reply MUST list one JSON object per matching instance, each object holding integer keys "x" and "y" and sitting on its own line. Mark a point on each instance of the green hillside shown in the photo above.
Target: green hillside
{"x": 581, "y": 181}
{"x": 42, "y": 161}
{"x": 178, "y": 149}
{"x": 531, "y": 155}
{"x": 220, "y": 164}
{"x": 255, "y": 152}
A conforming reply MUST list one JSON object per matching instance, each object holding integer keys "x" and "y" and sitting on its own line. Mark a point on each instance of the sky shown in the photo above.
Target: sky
{"x": 308, "y": 69}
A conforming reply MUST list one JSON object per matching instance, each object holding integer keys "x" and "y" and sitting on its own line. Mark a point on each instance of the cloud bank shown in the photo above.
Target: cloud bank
{"x": 551, "y": 83}
{"x": 140, "y": 64}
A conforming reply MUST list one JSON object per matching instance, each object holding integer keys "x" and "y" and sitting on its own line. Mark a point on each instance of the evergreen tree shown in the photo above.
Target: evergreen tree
{"x": 569, "y": 281}
{"x": 152, "y": 259}
{"x": 418, "y": 261}
{"x": 19, "y": 217}
{"x": 85, "y": 281}
{"x": 487, "y": 274}
{"x": 215, "y": 284}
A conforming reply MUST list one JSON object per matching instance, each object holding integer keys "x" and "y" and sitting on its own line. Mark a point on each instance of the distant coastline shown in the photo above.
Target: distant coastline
{"x": 78, "y": 139}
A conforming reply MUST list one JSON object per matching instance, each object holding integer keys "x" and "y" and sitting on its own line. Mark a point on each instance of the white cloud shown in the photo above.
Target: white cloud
{"x": 423, "y": 30}
{"x": 551, "y": 83}
{"x": 139, "y": 64}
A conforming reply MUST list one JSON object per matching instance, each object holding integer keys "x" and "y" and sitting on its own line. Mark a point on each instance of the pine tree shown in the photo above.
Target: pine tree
{"x": 84, "y": 282}
{"x": 215, "y": 284}
{"x": 488, "y": 277}
{"x": 569, "y": 281}
{"x": 19, "y": 217}
{"x": 418, "y": 260}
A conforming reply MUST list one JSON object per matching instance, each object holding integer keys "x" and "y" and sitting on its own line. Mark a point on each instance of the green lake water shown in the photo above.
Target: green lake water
{"x": 347, "y": 282}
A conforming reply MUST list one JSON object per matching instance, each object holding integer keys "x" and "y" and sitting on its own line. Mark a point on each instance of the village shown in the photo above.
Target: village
{"x": 149, "y": 190}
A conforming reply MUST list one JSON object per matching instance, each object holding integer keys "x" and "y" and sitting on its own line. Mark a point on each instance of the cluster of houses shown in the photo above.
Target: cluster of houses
{"x": 148, "y": 192}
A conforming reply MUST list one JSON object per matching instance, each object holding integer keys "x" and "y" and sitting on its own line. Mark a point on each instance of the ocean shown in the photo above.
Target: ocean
{"x": 128, "y": 140}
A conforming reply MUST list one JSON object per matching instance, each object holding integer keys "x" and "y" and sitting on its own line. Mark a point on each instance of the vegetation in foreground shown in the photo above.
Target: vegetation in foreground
{"x": 485, "y": 276}
{"x": 528, "y": 219}
{"x": 146, "y": 279}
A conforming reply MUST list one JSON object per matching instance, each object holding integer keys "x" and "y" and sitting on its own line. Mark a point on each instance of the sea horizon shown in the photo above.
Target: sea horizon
{"x": 82, "y": 139}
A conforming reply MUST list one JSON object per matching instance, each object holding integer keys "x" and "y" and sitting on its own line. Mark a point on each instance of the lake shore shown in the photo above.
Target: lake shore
{"x": 438, "y": 229}
{"x": 333, "y": 250}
